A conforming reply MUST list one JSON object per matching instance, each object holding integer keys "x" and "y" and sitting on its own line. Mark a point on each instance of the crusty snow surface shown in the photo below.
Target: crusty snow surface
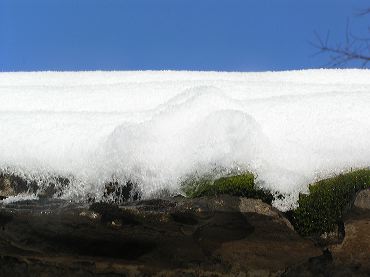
{"x": 159, "y": 128}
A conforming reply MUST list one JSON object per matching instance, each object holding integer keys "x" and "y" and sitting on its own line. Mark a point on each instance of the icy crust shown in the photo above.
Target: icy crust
{"x": 159, "y": 128}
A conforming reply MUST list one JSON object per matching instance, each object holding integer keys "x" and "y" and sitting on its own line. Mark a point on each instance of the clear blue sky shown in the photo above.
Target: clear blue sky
{"x": 222, "y": 35}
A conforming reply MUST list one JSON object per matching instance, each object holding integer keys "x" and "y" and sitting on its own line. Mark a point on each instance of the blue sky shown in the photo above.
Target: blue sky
{"x": 222, "y": 35}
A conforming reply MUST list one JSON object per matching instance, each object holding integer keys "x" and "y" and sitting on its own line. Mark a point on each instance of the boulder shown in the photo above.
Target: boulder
{"x": 354, "y": 251}
{"x": 362, "y": 200}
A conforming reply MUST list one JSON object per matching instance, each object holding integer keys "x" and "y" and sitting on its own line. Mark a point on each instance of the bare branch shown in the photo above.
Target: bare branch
{"x": 364, "y": 12}
{"x": 354, "y": 48}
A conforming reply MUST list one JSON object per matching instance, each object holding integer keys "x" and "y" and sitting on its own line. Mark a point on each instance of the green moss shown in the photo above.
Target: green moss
{"x": 322, "y": 209}
{"x": 237, "y": 185}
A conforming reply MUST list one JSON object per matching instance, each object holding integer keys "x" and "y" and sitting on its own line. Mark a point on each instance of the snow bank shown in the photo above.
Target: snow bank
{"x": 157, "y": 128}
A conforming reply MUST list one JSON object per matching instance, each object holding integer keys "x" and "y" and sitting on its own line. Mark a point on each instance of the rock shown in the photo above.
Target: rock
{"x": 315, "y": 266}
{"x": 5, "y": 218}
{"x": 6, "y": 187}
{"x": 329, "y": 238}
{"x": 362, "y": 200}
{"x": 354, "y": 251}
{"x": 112, "y": 213}
{"x": 325, "y": 265}
{"x": 246, "y": 206}
{"x": 214, "y": 236}
{"x": 120, "y": 193}
{"x": 53, "y": 187}
{"x": 348, "y": 252}
{"x": 270, "y": 248}
{"x": 11, "y": 185}
{"x": 256, "y": 206}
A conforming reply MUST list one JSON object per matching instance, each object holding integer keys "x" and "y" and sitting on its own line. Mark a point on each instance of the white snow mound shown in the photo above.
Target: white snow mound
{"x": 157, "y": 128}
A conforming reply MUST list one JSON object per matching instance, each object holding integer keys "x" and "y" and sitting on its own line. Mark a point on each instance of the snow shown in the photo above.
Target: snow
{"x": 18, "y": 197}
{"x": 158, "y": 128}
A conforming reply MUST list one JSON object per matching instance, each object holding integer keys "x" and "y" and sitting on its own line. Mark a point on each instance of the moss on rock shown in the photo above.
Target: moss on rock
{"x": 236, "y": 185}
{"x": 322, "y": 209}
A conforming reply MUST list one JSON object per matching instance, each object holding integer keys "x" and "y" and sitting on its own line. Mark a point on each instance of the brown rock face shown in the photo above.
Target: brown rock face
{"x": 354, "y": 251}
{"x": 175, "y": 237}
{"x": 217, "y": 236}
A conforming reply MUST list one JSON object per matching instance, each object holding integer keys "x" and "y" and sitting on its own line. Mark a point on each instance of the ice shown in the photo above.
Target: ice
{"x": 157, "y": 128}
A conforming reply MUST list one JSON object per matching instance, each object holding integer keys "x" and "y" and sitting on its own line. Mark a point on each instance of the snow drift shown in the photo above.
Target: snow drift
{"x": 157, "y": 128}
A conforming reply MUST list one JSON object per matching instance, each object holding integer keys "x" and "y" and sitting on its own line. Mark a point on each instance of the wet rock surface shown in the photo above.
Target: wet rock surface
{"x": 214, "y": 236}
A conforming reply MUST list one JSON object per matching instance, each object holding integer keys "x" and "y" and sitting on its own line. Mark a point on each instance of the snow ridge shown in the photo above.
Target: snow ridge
{"x": 289, "y": 128}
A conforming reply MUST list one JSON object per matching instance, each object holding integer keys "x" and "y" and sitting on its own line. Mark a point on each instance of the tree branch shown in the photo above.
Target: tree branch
{"x": 353, "y": 49}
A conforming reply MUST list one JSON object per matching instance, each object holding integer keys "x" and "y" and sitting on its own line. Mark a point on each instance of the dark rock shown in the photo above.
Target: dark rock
{"x": 214, "y": 236}
{"x": 187, "y": 218}
{"x": 120, "y": 193}
{"x": 112, "y": 213}
{"x": 11, "y": 185}
{"x": 222, "y": 227}
{"x": 325, "y": 265}
{"x": 153, "y": 205}
{"x": 5, "y": 218}
{"x": 320, "y": 265}
{"x": 53, "y": 188}
{"x": 329, "y": 238}
{"x": 315, "y": 266}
